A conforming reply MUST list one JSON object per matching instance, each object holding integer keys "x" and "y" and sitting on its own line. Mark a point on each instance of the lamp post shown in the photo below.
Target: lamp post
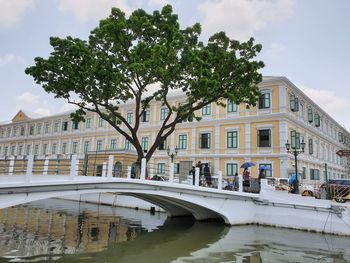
{"x": 296, "y": 150}
{"x": 172, "y": 154}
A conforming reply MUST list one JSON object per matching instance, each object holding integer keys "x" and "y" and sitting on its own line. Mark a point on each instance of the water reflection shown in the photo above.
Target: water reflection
{"x": 68, "y": 232}
{"x": 57, "y": 227}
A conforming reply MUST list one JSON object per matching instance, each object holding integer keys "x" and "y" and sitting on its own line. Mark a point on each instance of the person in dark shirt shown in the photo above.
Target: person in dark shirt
{"x": 207, "y": 174}
{"x": 262, "y": 174}
{"x": 246, "y": 182}
{"x": 193, "y": 173}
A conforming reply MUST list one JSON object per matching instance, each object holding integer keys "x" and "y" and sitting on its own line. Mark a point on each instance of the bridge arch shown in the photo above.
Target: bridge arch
{"x": 202, "y": 203}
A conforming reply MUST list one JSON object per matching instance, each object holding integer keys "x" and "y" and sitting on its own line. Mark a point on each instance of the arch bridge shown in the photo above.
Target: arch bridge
{"x": 269, "y": 207}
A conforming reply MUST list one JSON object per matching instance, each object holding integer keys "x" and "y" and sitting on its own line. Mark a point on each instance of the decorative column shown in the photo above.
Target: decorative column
{"x": 247, "y": 138}
{"x": 193, "y": 140}
{"x": 283, "y": 131}
{"x": 282, "y": 90}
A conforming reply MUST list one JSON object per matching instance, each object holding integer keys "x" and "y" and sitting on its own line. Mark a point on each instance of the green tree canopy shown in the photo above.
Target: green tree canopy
{"x": 125, "y": 56}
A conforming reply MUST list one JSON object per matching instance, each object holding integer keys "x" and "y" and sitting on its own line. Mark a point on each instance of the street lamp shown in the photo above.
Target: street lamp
{"x": 296, "y": 150}
{"x": 172, "y": 154}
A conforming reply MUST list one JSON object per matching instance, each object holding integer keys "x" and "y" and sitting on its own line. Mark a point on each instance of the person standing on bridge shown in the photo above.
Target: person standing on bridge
{"x": 261, "y": 175}
{"x": 193, "y": 173}
{"x": 246, "y": 178}
{"x": 207, "y": 174}
{"x": 199, "y": 165}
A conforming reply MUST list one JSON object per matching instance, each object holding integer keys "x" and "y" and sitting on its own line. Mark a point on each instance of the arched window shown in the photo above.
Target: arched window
{"x": 118, "y": 169}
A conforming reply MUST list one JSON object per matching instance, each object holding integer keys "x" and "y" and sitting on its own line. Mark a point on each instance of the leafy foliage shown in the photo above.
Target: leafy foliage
{"x": 125, "y": 56}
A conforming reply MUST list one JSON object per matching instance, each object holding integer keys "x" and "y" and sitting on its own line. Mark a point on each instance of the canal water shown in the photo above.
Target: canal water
{"x": 65, "y": 231}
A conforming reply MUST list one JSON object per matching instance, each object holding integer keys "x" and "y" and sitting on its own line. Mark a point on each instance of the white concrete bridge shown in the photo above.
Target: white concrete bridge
{"x": 269, "y": 207}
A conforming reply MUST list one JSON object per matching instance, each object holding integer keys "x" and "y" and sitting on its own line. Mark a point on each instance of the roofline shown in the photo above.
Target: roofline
{"x": 267, "y": 80}
{"x": 288, "y": 82}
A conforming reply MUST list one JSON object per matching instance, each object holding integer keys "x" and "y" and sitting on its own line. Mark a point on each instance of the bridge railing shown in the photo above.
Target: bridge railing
{"x": 107, "y": 166}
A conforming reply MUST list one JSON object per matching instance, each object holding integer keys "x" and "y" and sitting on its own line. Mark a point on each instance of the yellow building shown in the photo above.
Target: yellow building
{"x": 224, "y": 138}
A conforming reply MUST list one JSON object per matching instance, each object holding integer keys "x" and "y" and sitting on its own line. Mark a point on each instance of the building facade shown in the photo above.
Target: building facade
{"x": 225, "y": 138}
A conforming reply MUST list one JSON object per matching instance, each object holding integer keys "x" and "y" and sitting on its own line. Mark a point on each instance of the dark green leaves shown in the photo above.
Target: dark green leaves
{"x": 124, "y": 56}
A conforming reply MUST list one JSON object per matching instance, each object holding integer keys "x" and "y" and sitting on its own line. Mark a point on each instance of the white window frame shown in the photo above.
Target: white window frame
{"x": 99, "y": 145}
{"x": 130, "y": 117}
{"x": 231, "y": 163}
{"x": 86, "y": 146}
{"x": 178, "y": 142}
{"x": 160, "y": 168}
{"x": 88, "y": 123}
{"x": 113, "y": 144}
{"x": 74, "y": 147}
{"x": 231, "y": 104}
{"x": 54, "y": 148}
{"x": 209, "y": 141}
{"x": 206, "y": 110}
{"x": 101, "y": 122}
{"x": 237, "y": 139}
{"x": 146, "y": 116}
{"x": 268, "y": 173}
{"x": 258, "y": 139}
{"x": 164, "y": 112}
{"x": 144, "y": 143}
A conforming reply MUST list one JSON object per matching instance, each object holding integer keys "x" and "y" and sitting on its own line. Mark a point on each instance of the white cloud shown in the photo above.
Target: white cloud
{"x": 43, "y": 111}
{"x": 85, "y": 10}
{"x": 68, "y": 107}
{"x": 159, "y": 3}
{"x": 12, "y": 11}
{"x": 335, "y": 105}
{"x": 27, "y": 100}
{"x": 241, "y": 19}
{"x": 9, "y": 59}
{"x": 275, "y": 50}
{"x": 33, "y": 103}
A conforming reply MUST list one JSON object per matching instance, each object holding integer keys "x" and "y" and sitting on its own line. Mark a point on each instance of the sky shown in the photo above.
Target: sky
{"x": 306, "y": 41}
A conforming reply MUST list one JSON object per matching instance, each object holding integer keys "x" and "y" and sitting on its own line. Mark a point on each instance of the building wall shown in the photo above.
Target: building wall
{"x": 18, "y": 138}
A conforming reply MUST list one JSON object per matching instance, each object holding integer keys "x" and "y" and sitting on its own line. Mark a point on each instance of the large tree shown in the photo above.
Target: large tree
{"x": 126, "y": 56}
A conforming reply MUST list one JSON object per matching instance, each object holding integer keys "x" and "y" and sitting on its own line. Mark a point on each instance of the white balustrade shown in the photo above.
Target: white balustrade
{"x": 129, "y": 173}
{"x": 171, "y": 173}
{"x": 12, "y": 165}
{"x": 104, "y": 169}
{"x": 73, "y": 167}
{"x": 219, "y": 180}
{"x": 30, "y": 165}
{"x": 240, "y": 183}
{"x": 143, "y": 168}
{"x": 196, "y": 183}
{"x": 110, "y": 166}
{"x": 46, "y": 165}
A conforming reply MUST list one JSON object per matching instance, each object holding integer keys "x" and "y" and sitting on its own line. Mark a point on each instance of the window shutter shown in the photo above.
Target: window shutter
{"x": 296, "y": 106}
{"x": 310, "y": 115}
{"x": 293, "y": 139}
{"x": 311, "y": 150}
{"x": 317, "y": 120}
{"x": 261, "y": 101}
{"x": 292, "y": 102}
